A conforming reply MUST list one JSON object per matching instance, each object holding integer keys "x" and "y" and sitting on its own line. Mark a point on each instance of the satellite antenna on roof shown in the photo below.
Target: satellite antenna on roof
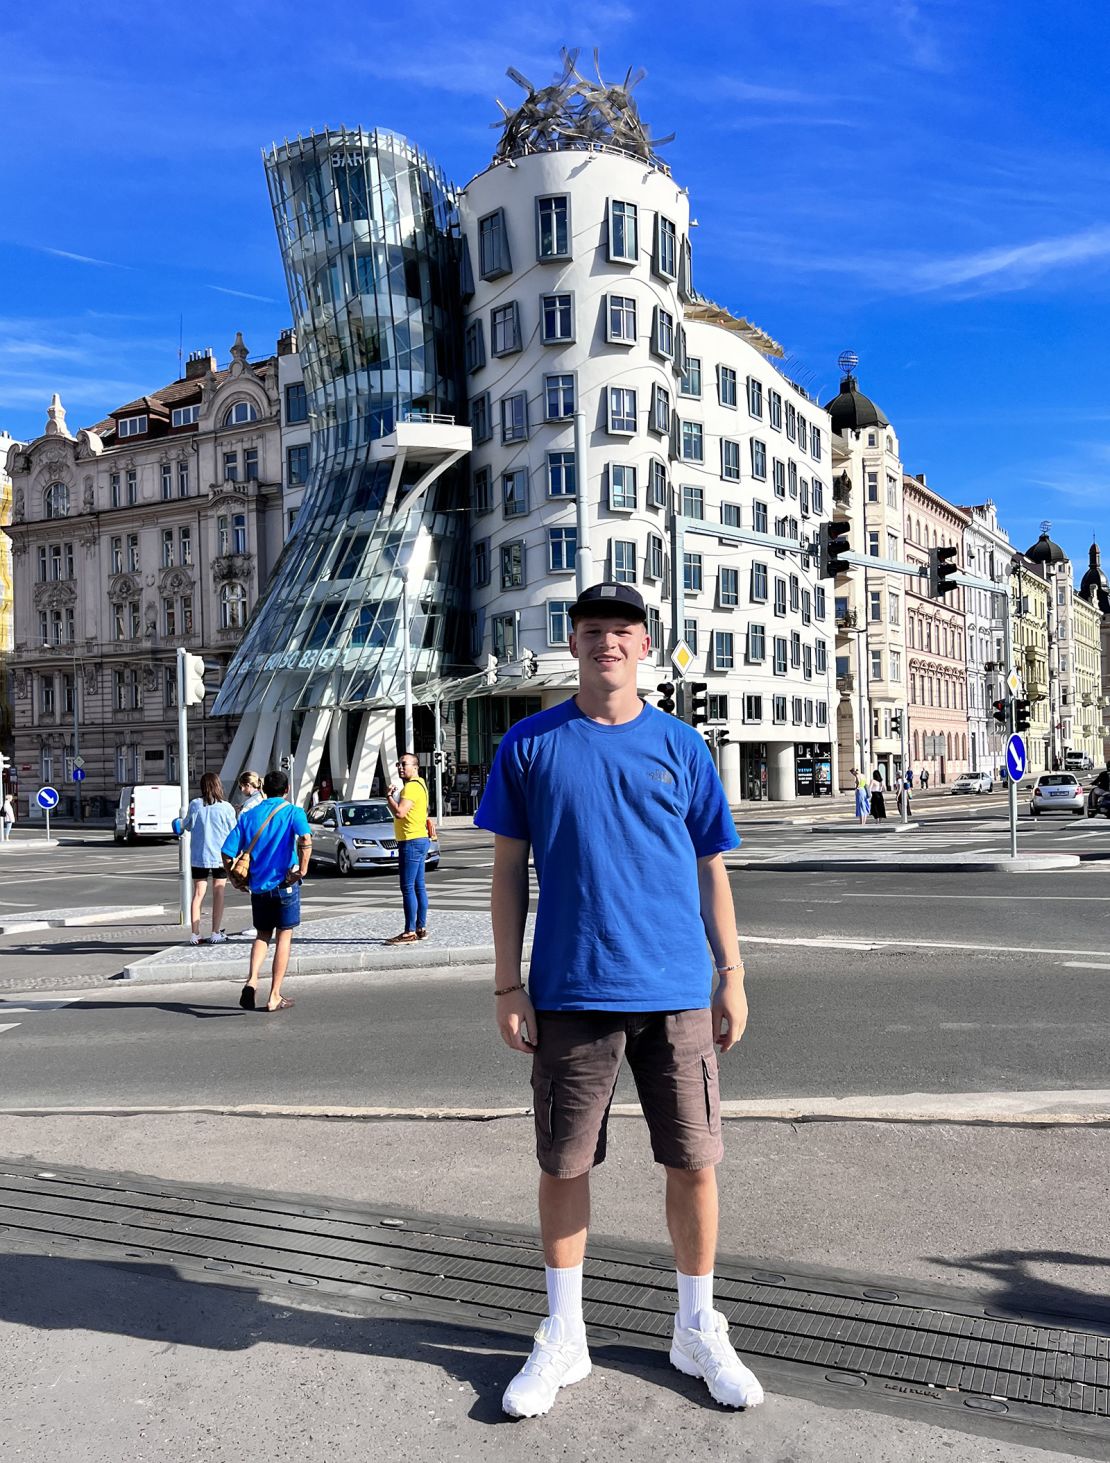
{"x": 180, "y": 346}
{"x": 847, "y": 361}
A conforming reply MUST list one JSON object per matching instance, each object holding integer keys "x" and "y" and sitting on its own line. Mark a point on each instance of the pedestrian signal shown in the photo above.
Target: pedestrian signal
{"x": 699, "y": 702}
{"x": 193, "y": 689}
{"x": 1000, "y": 713}
{"x": 666, "y": 697}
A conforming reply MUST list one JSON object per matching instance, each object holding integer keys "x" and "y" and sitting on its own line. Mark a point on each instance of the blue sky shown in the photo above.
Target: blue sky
{"x": 922, "y": 181}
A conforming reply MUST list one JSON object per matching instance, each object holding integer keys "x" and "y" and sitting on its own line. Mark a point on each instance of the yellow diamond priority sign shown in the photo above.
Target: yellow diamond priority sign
{"x": 682, "y": 657}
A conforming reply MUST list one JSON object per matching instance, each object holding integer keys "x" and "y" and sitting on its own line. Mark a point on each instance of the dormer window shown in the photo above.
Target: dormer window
{"x": 131, "y": 426}
{"x": 239, "y": 413}
{"x": 185, "y": 416}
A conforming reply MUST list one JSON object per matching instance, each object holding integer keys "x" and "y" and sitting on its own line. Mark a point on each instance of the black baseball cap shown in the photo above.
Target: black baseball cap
{"x": 618, "y": 600}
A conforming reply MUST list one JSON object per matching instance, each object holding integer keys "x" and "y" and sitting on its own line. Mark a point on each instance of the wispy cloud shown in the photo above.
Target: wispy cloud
{"x": 80, "y": 258}
{"x": 1013, "y": 266}
{"x": 242, "y": 294}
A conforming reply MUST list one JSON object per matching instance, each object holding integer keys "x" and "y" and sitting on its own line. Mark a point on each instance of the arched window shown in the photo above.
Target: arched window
{"x": 963, "y": 746}
{"x": 55, "y": 501}
{"x": 233, "y": 607}
{"x": 239, "y": 413}
{"x": 916, "y": 752}
{"x": 949, "y": 740}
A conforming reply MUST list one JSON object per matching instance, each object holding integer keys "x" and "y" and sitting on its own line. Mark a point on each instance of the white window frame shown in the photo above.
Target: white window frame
{"x": 629, "y": 228}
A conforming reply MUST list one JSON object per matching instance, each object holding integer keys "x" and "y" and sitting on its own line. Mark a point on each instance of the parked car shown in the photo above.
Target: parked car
{"x": 357, "y": 834}
{"x": 1058, "y": 792}
{"x": 973, "y": 782}
{"x": 147, "y": 811}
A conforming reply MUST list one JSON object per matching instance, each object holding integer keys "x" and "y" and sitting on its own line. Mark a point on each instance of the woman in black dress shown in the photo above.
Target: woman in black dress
{"x": 878, "y": 802}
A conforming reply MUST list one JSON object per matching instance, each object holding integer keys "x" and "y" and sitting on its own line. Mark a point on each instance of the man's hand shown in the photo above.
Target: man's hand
{"x": 516, "y": 1021}
{"x": 730, "y": 1013}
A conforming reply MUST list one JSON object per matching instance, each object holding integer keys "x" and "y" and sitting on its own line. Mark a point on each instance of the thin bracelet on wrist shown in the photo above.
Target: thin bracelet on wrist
{"x": 508, "y": 989}
{"x": 728, "y": 969}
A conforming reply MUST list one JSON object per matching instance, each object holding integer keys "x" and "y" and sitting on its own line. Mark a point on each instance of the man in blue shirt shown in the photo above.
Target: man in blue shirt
{"x": 277, "y": 834}
{"x": 626, "y": 819}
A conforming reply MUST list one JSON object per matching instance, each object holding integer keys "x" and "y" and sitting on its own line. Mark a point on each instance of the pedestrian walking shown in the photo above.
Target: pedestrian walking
{"x": 413, "y": 829}
{"x": 249, "y": 787}
{"x": 7, "y": 818}
{"x": 274, "y": 842}
{"x": 924, "y": 779}
{"x": 877, "y": 791}
{"x": 909, "y": 778}
{"x": 208, "y": 822}
{"x": 617, "y": 802}
{"x": 863, "y": 798}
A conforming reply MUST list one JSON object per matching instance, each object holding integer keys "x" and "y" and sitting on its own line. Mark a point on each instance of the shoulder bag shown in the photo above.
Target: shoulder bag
{"x": 239, "y": 872}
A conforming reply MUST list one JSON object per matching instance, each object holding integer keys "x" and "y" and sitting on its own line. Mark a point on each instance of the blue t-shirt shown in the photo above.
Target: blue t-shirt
{"x": 275, "y": 853}
{"x": 617, "y": 817}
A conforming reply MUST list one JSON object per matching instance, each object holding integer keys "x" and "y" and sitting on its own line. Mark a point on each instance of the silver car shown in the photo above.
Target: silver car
{"x": 973, "y": 782}
{"x": 1058, "y": 792}
{"x": 358, "y": 835}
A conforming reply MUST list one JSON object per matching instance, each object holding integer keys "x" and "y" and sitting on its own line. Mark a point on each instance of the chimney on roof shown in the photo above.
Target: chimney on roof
{"x": 200, "y": 363}
{"x": 287, "y": 342}
{"x": 920, "y": 476}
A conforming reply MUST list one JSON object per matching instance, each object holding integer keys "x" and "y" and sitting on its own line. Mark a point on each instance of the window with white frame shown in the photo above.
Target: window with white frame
{"x": 774, "y": 410}
{"x": 717, "y": 706}
{"x": 815, "y": 442}
{"x": 239, "y": 413}
{"x": 562, "y": 549}
{"x": 131, "y": 478}
{"x": 514, "y": 492}
{"x": 803, "y": 497}
{"x": 876, "y": 665}
{"x": 872, "y": 487}
{"x": 820, "y": 657}
{"x": 778, "y": 710}
{"x": 660, "y": 409}
{"x": 231, "y": 466}
{"x": 894, "y": 610}
{"x": 895, "y": 665}
{"x": 250, "y": 464}
{"x": 621, "y": 320}
{"x": 755, "y": 398}
{"x": 730, "y": 515}
{"x": 558, "y": 621}
{"x": 514, "y": 417}
{"x": 730, "y": 460}
{"x": 182, "y": 479}
{"x": 875, "y": 602}
{"x": 817, "y": 495}
{"x": 757, "y": 644}
{"x": 690, "y": 634}
{"x": 168, "y": 548}
{"x": 758, "y": 589}
{"x": 822, "y": 709}
{"x": 553, "y": 227}
{"x": 558, "y": 318}
{"x": 624, "y": 230}
{"x": 133, "y": 553}
{"x": 693, "y": 442}
{"x": 622, "y": 410}
{"x": 131, "y": 426}
{"x": 511, "y": 561}
{"x": 166, "y": 472}
{"x": 690, "y": 384}
{"x": 873, "y": 543}
{"x": 622, "y": 487}
{"x": 791, "y": 422}
{"x": 233, "y": 607}
{"x": 753, "y": 707}
{"x": 504, "y": 329}
{"x": 778, "y": 478}
{"x": 662, "y": 333}
{"x": 807, "y": 607}
{"x": 693, "y": 501}
{"x": 759, "y": 516}
{"x": 779, "y": 652}
{"x": 807, "y": 662}
{"x": 653, "y": 562}
{"x": 891, "y": 490}
{"x": 759, "y": 458}
{"x": 503, "y": 632}
{"x": 297, "y": 464}
{"x": 622, "y": 553}
{"x": 724, "y": 654}
{"x": 666, "y": 248}
{"x": 655, "y": 632}
{"x": 493, "y": 246}
{"x": 692, "y": 573}
{"x": 657, "y": 483}
{"x": 802, "y": 433}
{"x": 728, "y": 588}
{"x": 186, "y": 416}
{"x": 780, "y": 595}
{"x": 558, "y": 395}
{"x": 561, "y": 475}
{"x": 795, "y": 649}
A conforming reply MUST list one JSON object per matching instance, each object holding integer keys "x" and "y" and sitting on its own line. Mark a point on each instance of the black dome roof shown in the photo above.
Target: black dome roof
{"x": 1094, "y": 585}
{"x": 851, "y": 410}
{"x": 1044, "y": 551}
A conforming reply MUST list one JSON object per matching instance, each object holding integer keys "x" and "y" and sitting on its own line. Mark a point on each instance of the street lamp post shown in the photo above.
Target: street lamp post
{"x": 413, "y": 566}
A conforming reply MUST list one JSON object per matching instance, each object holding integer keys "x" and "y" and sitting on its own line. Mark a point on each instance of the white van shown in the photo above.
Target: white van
{"x": 147, "y": 811}
{"x": 1078, "y": 762}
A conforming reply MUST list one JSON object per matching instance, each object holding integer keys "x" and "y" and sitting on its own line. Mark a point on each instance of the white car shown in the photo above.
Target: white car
{"x": 973, "y": 782}
{"x": 1058, "y": 792}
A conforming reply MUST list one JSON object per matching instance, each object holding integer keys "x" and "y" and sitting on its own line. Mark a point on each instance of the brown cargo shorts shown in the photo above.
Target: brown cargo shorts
{"x": 574, "y": 1076}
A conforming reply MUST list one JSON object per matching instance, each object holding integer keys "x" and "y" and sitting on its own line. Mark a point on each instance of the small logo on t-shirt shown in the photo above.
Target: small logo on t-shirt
{"x": 660, "y": 775}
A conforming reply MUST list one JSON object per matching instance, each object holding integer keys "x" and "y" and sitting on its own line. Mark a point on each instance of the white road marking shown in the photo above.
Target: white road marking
{"x": 9, "y": 1026}
{"x": 914, "y": 945}
{"x": 1084, "y": 965}
{"x": 994, "y": 898}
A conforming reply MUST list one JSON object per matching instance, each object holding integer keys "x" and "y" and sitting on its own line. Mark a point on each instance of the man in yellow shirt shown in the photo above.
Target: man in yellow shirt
{"x": 409, "y": 806}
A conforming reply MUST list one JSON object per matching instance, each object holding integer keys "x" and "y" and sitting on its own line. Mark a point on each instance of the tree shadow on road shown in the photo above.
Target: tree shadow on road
{"x": 1015, "y": 1285}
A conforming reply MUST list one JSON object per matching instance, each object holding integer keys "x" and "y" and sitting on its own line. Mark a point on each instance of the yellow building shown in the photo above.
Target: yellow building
{"x": 1030, "y": 602}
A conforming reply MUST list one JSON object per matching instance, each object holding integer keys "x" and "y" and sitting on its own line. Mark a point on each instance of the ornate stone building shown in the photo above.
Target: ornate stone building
{"x": 6, "y": 614}
{"x": 153, "y": 529}
{"x": 1095, "y": 590}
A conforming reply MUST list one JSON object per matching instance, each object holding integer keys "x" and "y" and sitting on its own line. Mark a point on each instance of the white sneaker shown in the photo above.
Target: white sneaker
{"x": 704, "y": 1350}
{"x": 194, "y": 939}
{"x": 217, "y": 938}
{"x": 558, "y": 1359}
{"x": 249, "y": 933}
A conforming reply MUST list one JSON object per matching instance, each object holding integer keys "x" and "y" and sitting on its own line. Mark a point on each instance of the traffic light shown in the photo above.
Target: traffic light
{"x": 699, "y": 702}
{"x": 437, "y": 758}
{"x": 1000, "y": 715}
{"x": 832, "y": 546}
{"x": 943, "y": 569}
{"x": 666, "y": 697}
{"x": 1021, "y": 716}
{"x": 193, "y": 689}
{"x": 529, "y": 664}
{"x": 491, "y": 670}
{"x": 723, "y": 737}
{"x": 896, "y": 724}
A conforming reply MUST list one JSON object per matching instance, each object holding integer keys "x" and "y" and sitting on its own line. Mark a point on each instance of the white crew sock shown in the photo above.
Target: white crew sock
{"x": 564, "y": 1295}
{"x": 695, "y": 1293}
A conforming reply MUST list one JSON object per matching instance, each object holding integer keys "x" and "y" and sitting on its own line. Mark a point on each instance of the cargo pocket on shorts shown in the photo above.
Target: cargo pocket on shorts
{"x": 711, "y": 1085}
{"x": 543, "y": 1106}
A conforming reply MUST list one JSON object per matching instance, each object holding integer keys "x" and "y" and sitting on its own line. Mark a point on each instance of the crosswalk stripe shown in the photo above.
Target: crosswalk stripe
{"x": 9, "y": 1026}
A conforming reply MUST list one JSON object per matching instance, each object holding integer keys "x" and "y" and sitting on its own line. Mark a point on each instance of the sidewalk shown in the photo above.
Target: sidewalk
{"x": 107, "y": 1362}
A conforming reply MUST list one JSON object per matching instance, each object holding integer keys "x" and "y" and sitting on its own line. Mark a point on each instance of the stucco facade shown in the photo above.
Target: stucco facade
{"x": 987, "y": 555}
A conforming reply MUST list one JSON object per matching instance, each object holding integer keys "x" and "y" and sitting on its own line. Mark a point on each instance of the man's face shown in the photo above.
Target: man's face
{"x": 407, "y": 767}
{"x": 608, "y": 649}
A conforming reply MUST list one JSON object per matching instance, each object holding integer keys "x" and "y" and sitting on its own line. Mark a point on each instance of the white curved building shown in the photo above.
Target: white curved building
{"x": 577, "y": 285}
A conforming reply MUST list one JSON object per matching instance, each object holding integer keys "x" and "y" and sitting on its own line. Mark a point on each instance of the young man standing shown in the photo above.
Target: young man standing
{"x": 627, "y": 820}
{"x": 277, "y": 835}
{"x": 408, "y": 802}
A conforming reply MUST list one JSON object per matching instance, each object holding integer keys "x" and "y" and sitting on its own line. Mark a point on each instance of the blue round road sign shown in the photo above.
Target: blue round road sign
{"x": 47, "y": 797}
{"x": 78, "y": 774}
{"x": 1016, "y": 759}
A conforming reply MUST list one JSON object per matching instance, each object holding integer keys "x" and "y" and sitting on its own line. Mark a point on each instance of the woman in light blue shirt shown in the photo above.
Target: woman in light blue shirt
{"x": 208, "y": 822}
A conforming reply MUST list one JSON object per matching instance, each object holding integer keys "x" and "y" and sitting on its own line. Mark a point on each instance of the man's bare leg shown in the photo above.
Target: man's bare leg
{"x": 692, "y": 1218}
{"x": 259, "y": 945}
{"x": 282, "y": 945}
{"x": 564, "y": 1219}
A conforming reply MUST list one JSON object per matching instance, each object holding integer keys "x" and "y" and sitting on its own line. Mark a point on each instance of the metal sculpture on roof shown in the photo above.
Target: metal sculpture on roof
{"x": 576, "y": 113}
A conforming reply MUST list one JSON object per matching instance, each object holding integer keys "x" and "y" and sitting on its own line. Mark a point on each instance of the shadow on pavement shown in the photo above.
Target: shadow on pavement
{"x": 148, "y": 1303}
{"x": 1016, "y": 1286}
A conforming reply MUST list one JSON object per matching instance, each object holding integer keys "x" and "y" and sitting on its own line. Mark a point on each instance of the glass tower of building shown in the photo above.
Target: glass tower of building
{"x": 369, "y": 242}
